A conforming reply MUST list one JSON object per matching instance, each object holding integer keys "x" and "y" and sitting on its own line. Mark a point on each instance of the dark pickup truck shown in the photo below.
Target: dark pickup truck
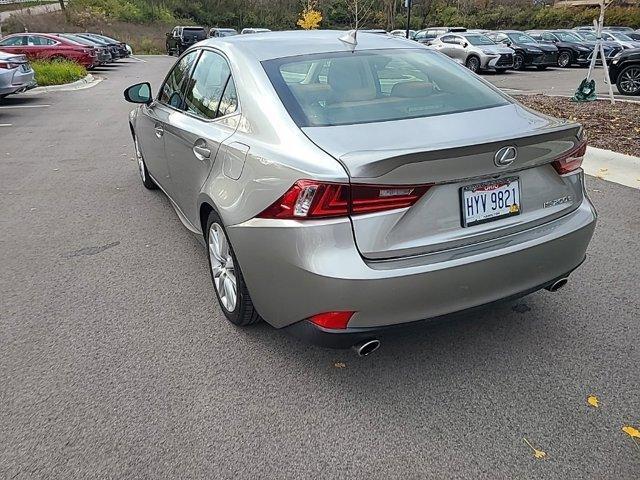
{"x": 181, "y": 38}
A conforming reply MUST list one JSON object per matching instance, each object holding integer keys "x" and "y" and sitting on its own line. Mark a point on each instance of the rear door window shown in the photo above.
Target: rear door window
{"x": 13, "y": 41}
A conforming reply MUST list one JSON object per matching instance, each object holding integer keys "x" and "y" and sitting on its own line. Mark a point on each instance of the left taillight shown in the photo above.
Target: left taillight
{"x": 9, "y": 65}
{"x": 309, "y": 199}
{"x": 571, "y": 160}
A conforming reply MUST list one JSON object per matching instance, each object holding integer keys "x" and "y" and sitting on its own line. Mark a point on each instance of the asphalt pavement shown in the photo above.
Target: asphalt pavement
{"x": 116, "y": 362}
{"x": 552, "y": 81}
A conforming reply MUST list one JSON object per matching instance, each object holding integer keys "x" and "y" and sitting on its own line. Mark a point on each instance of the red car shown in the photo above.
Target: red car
{"x": 41, "y": 46}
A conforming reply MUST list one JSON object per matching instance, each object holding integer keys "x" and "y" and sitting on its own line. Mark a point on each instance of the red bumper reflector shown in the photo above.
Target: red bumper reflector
{"x": 334, "y": 320}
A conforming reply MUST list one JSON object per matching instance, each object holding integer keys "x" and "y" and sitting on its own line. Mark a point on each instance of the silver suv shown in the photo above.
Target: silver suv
{"x": 476, "y": 51}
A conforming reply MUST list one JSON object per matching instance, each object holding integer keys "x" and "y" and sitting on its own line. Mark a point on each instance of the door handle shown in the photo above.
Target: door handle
{"x": 159, "y": 130}
{"x": 201, "y": 152}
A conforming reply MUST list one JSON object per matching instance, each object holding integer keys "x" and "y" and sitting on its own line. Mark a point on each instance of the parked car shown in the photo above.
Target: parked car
{"x": 325, "y": 207}
{"x": 427, "y": 35}
{"x": 528, "y": 52}
{"x": 43, "y": 46}
{"x": 247, "y": 31}
{"x": 403, "y": 33}
{"x": 611, "y": 49}
{"x": 624, "y": 71}
{"x": 633, "y": 35}
{"x": 572, "y": 50}
{"x": 618, "y": 29}
{"x": 181, "y": 38}
{"x": 117, "y": 48}
{"x": 16, "y": 75}
{"x": 621, "y": 39}
{"x": 104, "y": 54}
{"x": 222, "y": 32}
{"x": 476, "y": 51}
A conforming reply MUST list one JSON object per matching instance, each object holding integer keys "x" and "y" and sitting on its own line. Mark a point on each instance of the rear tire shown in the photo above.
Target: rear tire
{"x": 228, "y": 282}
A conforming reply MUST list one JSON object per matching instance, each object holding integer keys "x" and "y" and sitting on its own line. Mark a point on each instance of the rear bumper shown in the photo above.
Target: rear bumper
{"x": 13, "y": 81}
{"x": 294, "y": 270}
{"x": 343, "y": 339}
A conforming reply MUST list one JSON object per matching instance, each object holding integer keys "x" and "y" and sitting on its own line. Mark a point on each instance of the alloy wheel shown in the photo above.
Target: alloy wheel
{"x": 473, "y": 64}
{"x": 222, "y": 267}
{"x": 564, "y": 59}
{"x": 629, "y": 81}
{"x": 518, "y": 62}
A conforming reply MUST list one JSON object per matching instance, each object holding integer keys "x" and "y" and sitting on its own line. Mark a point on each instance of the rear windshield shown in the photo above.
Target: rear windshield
{"x": 194, "y": 33}
{"x": 343, "y": 88}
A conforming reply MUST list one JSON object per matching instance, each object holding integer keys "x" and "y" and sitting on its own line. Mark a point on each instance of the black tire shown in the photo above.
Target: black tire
{"x": 628, "y": 81}
{"x": 518, "y": 61}
{"x": 501, "y": 70}
{"x": 541, "y": 67}
{"x": 244, "y": 313}
{"x": 148, "y": 183}
{"x": 564, "y": 59}
{"x": 473, "y": 64}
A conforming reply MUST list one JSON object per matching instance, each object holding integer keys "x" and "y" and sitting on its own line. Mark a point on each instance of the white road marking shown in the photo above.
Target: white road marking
{"x": 6, "y": 124}
{"x": 7, "y": 107}
{"x": 138, "y": 59}
{"x": 612, "y": 166}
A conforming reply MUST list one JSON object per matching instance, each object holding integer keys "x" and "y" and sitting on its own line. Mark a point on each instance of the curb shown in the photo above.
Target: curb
{"x": 600, "y": 96}
{"x": 86, "y": 82}
{"x": 612, "y": 166}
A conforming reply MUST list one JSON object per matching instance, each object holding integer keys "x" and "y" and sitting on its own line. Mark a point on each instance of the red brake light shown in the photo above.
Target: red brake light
{"x": 571, "y": 160}
{"x": 334, "y": 320}
{"x": 8, "y": 65}
{"x": 311, "y": 199}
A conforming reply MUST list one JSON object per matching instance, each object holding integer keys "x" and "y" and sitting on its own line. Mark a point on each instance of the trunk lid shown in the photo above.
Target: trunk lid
{"x": 452, "y": 152}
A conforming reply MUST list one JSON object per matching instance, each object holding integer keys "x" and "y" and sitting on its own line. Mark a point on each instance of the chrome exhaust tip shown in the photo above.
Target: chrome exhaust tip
{"x": 366, "y": 348}
{"x": 558, "y": 284}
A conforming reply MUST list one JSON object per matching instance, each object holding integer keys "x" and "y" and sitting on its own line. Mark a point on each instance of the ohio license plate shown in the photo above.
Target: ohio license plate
{"x": 489, "y": 201}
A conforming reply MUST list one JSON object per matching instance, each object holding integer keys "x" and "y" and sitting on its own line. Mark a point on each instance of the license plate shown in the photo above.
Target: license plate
{"x": 489, "y": 201}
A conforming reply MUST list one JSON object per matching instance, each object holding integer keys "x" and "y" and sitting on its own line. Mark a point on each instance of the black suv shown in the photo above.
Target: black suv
{"x": 624, "y": 71}
{"x": 181, "y": 38}
{"x": 572, "y": 50}
{"x": 528, "y": 51}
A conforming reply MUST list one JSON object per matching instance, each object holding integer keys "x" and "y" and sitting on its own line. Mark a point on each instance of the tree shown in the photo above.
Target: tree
{"x": 310, "y": 18}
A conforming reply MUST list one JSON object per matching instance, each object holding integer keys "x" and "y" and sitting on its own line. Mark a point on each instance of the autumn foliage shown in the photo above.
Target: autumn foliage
{"x": 310, "y": 18}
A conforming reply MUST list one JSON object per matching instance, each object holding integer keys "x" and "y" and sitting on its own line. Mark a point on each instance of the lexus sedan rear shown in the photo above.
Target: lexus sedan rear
{"x": 345, "y": 185}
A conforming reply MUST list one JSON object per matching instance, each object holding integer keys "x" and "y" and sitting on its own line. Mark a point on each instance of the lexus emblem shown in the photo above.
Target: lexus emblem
{"x": 505, "y": 156}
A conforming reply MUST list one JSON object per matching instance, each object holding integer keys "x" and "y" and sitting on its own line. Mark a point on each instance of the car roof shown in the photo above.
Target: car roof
{"x": 272, "y": 45}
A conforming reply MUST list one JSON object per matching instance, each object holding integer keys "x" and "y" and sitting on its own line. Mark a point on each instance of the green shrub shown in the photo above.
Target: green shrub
{"x": 57, "y": 72}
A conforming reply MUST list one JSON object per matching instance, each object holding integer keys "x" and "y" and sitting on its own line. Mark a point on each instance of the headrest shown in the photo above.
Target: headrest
{"x": 412, "y": 89}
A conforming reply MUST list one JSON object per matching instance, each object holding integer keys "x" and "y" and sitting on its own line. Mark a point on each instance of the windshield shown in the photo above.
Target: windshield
{"x": 194, "y": 32}
{"x": 521, "y": 38}
{"x": 621, "y": 36}
{"x": 344, "y": 88}
{"x": 587, "y": 36}
{"x": 567, "y": 37}
{"x": 479, "y": 40}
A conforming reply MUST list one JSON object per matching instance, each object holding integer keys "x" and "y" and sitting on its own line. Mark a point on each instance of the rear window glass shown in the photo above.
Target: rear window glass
{"x": 344, "y": 88}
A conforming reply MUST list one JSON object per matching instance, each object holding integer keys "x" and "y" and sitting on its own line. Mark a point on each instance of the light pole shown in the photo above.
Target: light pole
{"x": 407, "y": 4}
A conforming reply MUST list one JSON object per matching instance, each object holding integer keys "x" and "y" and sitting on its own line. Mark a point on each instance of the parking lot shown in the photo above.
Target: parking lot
{"x": 115, "y": 361}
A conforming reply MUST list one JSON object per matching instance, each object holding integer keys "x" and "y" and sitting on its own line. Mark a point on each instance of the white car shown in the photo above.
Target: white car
{"x": 16, "y": 75}
{"x": 246, "y": 31}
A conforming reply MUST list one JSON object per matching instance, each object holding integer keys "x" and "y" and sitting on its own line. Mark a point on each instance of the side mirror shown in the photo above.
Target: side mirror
{"x": 507, "y": 43}
{"x": 138, "y": 93}
{"x": 465, "y": 44}
{"x": 168, "y": 34}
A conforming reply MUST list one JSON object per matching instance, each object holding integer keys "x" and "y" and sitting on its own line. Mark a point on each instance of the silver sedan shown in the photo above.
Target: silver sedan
{"x": 346, "y": 184}
{"x": 16, "y": 75}
{"x": 475, "y": 50}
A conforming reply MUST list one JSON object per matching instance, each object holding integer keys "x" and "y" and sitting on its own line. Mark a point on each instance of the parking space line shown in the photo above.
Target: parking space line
{"x": 7, "y": 107}
{"x": 6, "y": 124}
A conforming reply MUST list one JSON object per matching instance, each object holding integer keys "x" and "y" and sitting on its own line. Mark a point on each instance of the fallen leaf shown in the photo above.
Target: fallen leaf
{"x": 339, "y": 365}
{"x": 604, "y": 169}
{"x": 593, "y": 401}
{"x": 536, "y": 453}
{"x": 632, "y": 432}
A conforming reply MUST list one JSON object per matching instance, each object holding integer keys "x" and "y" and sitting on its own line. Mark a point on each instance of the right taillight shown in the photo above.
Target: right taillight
{"x": 309, "y": 199}
{"x": 571, "y": 160}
